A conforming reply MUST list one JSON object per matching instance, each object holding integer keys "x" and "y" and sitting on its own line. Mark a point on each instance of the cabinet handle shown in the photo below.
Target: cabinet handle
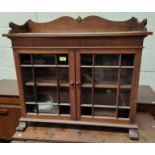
{"x": 3, "y": 111}
{"x": 72, "y": 83}
{"x": 77, "y": 83}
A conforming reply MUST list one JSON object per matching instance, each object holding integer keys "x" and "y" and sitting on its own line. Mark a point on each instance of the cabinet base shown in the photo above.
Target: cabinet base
{"x": 104, "y": 123}
{"x": 133, "y": 128}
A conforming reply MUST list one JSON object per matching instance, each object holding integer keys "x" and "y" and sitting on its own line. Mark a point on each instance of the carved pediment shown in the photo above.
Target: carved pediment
{"x": 71, "y": 25}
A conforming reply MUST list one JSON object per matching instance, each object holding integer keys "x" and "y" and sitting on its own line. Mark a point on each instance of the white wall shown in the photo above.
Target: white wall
{"x": 7, "y": 69}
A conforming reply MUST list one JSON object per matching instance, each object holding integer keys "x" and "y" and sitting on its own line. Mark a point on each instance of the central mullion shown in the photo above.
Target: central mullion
{"x": 118, "y": 86}
{"x": 58, "y": 83}
{"x": 93, "y": 83}
{"x": 35, "y": 85}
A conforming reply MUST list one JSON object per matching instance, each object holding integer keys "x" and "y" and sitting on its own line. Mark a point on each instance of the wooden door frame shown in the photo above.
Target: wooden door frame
{"x": 78, "y": 83}
{"x": 72, "y": 78}
{"x": 135, "y": 77}
{"x": 71, "y": 68}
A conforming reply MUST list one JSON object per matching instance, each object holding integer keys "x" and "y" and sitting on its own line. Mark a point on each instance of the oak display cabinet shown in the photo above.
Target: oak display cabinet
{"x": 83, "y": 71}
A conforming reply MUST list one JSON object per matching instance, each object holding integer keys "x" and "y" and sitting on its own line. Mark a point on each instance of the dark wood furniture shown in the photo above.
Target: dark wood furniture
{"x": 10, "y": 110}
{"x": 146, "y": 100}
{"x": 81, "y": 72}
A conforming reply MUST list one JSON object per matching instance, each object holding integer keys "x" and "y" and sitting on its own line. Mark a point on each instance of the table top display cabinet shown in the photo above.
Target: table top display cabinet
{"x": 83, "y": 71}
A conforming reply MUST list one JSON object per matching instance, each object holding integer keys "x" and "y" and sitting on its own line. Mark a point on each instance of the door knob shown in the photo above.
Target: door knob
{"x": 72, "y": 83}
{"x": 77, "y": 83}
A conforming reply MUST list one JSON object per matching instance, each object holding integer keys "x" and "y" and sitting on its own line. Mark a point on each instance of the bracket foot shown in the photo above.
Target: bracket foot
{"x": 133, "y": 134}
{"x": 22, "y": 126}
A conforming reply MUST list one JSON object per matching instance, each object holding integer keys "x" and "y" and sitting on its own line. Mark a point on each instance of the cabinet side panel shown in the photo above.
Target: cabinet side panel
{"x": 135, "y": 85}
{"x": 20, "y": 81}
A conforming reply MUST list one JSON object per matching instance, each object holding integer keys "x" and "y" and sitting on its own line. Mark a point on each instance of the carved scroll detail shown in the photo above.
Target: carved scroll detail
{"x": 88, "y": 24}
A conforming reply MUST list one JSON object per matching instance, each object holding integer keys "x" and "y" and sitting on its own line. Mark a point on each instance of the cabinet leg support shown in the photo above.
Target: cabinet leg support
{"x": 133, "y": 134}
{"x": 22, "y": 126}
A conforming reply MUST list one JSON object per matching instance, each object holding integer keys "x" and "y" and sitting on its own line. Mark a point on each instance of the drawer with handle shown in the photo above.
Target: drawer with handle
{"x": 9, "y": 116}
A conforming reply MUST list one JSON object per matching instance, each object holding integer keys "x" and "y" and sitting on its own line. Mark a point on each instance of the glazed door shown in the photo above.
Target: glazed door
{"x": 103, "y": 84}
{"x": 48, "y": 84}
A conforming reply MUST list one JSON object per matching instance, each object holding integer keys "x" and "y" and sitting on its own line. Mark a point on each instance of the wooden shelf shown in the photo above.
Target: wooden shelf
{"x": 105, "y": 106}
{"x": 111, "y": 106}
{"x": 47, "y": 114}
{"x": 66, "y": 115}
{"x": 31, "y": 113}
{"x": 51, "y": 83}
{"x": 29, "y": 65}
{"x": 89, "y": 85}
{"x": 65, "y": 66}
{"x": 99, "y": 117}
{"x": 82, "y": 105}
{"x": 125, "y": 86}
{"x": 41, "y": 84}
{"x": 50, "y": 114}
{"x": 127, "y": 67}
{"x": 101, "y": 85}
{"x": 87, "y": 116}
{"x": 110, "y": 67}
{"x": 64, "y": 104}
{"x": 124, "y": 107}
{"x": 105, "y": 117}
{"x": 30, "y": 103}
{"x": 45, "y": 103}
{"x": 43, "y": 65}
{"x": 46, "y": 84}
{"x": 98, "y": 106}
{"x": 86, "y": 105}
{"x": 57, "y": 104}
